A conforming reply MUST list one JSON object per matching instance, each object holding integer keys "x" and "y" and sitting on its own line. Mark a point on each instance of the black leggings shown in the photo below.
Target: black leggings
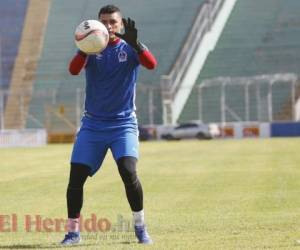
{"x": 133, "y": 187}
{"x": 79, "y": 174}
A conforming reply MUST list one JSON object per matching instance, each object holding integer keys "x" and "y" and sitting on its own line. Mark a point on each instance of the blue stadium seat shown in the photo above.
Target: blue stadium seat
{"x": 12, "y": 14}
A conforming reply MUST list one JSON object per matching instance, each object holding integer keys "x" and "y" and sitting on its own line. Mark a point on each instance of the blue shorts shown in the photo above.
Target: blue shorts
{"x": 95, "y": 137}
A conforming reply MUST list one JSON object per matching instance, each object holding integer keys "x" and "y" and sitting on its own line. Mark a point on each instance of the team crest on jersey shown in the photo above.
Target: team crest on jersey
{"x": 122, "y": 56}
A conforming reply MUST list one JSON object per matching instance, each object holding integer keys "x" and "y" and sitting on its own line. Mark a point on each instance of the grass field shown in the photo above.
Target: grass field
{"x": 222, "y": 194}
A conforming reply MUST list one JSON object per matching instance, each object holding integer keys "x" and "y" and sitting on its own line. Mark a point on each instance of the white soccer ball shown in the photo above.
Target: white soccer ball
{"x": 91, "y": 36}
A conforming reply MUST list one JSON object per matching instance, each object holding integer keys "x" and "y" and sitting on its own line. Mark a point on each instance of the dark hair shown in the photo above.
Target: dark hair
{"x": 108, "y": 9}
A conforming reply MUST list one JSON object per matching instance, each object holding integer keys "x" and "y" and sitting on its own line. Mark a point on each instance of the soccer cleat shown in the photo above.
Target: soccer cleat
{"x": 142, "y": 235}
{"x": 71, "y": 238}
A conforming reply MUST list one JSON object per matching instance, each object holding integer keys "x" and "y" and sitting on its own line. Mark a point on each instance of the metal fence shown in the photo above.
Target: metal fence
{"x": 61, "y": 110}
{"x": 264, "y": 98}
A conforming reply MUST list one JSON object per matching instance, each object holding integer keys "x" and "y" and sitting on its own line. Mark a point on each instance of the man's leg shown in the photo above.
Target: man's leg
{"x": 78, "y": 176}
{"x": 134, "y": 193}
{"x": 88, "y": 154}
{"x": 133, "y": 187}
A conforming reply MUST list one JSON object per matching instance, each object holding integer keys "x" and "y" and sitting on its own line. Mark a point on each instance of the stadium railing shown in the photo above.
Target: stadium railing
{"x": 171, "y": 83}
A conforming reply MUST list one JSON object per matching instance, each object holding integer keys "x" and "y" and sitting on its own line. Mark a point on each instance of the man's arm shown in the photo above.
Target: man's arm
{"x": 77, "y": 63}
{"x": 147, "y": 59}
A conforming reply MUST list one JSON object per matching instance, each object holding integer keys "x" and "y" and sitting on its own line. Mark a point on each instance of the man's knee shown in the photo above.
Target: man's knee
{"x": 127, "y": 170}
{"x": 78, "y": 175}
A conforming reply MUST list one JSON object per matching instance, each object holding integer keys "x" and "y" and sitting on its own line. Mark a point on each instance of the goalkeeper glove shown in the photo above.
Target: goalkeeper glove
{"x": 130, "y": 35}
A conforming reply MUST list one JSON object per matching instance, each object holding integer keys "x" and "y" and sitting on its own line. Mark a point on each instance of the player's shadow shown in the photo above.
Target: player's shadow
{"x": 39, "y": 246}
{"x": 49, "y": 246}
{"x": 121, "y": 242}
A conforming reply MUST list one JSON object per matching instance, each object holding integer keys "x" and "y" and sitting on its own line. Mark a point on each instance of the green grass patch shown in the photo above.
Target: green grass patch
{"x": 219, "y": 194}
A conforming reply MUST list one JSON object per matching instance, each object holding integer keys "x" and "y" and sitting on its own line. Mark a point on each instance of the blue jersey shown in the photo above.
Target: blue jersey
{"x": 110, "y": 82}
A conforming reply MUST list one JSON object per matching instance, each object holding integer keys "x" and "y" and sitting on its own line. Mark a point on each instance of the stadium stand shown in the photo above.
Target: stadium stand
{"x": 12, "y": 14}
{"x": 254, "y": 42}
{"x": 160, "y": 25}
{"x": 25, "y": 64}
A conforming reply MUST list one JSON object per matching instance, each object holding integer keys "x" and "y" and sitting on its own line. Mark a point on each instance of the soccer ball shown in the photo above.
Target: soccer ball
{"x": 91, "y": 36}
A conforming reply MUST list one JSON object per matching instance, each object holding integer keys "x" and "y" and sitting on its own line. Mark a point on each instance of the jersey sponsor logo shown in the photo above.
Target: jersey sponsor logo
{"x": 122, "y": 56}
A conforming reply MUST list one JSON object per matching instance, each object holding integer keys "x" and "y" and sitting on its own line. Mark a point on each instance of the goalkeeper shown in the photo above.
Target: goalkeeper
{"x": 109, "y": 120}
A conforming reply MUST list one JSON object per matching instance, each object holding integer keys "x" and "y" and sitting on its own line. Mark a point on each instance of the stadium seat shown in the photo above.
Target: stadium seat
{"x": 12, "y": 14}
